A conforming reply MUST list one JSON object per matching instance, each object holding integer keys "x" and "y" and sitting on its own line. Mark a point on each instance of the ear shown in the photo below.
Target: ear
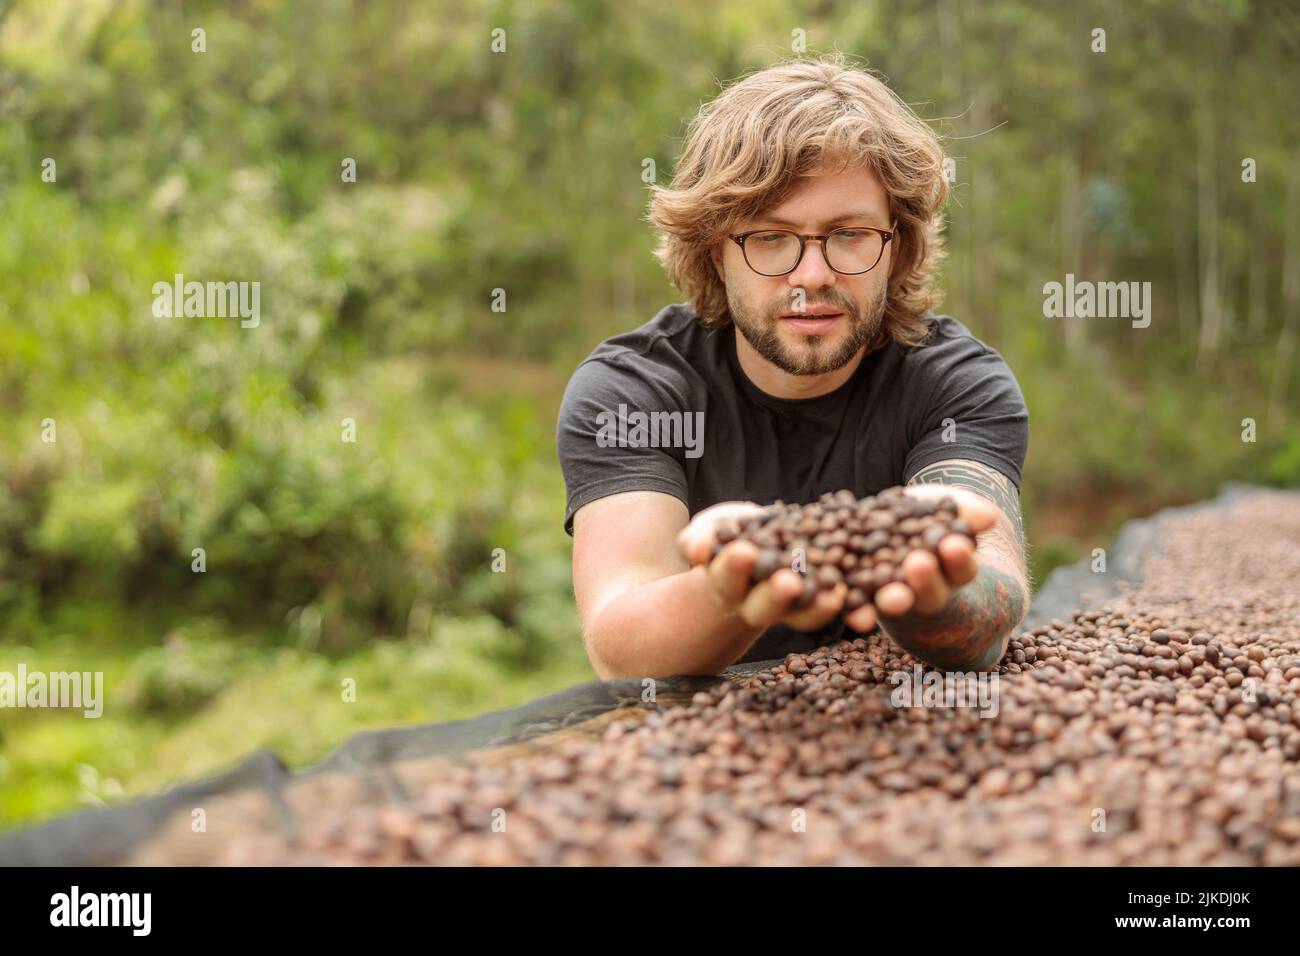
{"x": 895, "y": 248}
{"x": 715, "y": 254}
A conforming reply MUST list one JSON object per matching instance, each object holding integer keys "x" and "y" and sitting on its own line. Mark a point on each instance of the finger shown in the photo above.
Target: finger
{"x": 768, "y": 602}
{"x": 695, "y": 542}
{"x": 819, "y": 613}
{"x": 979, "y": 513}
{"x": 729, "y": 572}
{"x": 863, "y": 619}
{"x": 894, "y": 599}
{"x": 930, "y": 590}
{"x": 960, "y": 564}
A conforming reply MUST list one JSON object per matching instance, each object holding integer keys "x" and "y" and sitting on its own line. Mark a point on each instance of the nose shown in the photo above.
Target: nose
{"x": 813, "y": 271}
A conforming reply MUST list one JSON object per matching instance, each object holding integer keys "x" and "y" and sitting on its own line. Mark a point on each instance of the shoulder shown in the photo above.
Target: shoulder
{"x": 952, "y": 358}
{"x": 665, "y": 359}
{"x": 675, "y": 330}
{"x": 948, "y": 341}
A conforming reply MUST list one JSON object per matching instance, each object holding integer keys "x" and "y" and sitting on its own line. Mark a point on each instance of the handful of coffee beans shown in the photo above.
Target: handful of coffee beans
{"x": 840, "y": 538}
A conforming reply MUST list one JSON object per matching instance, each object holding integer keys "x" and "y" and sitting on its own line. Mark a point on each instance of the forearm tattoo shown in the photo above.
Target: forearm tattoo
{"x": 982, "y": 480}
{"x": 970, "y": 633}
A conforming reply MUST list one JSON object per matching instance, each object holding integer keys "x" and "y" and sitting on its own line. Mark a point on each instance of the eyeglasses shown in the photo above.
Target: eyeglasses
{"x": 849, "y": 251}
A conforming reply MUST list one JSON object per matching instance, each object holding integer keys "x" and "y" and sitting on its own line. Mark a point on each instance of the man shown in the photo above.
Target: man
{"x": 802, "y": 224}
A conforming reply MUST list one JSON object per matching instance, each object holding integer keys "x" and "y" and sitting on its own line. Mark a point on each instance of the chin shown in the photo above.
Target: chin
{"x": 815, "y": 344}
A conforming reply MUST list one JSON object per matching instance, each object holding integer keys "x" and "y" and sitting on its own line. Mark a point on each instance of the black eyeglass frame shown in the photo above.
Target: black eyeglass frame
{"x": 803, "y": 247}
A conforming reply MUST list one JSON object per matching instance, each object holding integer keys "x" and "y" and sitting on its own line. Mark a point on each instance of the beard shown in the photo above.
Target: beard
{"x": 814, "y": 354}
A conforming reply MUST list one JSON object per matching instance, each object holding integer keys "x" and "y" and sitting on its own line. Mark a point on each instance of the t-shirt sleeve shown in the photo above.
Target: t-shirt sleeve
{"x": 595, "y": 463}
{"x": 975, "y": 411}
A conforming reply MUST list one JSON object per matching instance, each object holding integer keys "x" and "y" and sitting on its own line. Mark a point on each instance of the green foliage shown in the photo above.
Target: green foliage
{"x": 179, "y": 677}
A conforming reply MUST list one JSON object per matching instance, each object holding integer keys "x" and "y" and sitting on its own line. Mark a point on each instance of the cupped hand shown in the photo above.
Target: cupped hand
{"x": 770, "y": 601}
{"x": 930, "y": 580}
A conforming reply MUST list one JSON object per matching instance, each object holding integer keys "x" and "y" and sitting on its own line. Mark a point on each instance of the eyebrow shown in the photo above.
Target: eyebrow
{"x": 845, "y": 217}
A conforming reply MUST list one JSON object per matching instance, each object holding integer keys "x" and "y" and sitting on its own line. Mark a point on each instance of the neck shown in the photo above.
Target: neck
{"x": 781, "y": 384}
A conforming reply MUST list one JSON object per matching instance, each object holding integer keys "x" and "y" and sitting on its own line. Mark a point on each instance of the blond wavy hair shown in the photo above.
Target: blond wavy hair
{"x": 746, "y": 150}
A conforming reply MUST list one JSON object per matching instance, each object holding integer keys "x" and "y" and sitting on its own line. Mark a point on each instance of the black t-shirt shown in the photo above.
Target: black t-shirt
{"x": 666, "y": 407}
